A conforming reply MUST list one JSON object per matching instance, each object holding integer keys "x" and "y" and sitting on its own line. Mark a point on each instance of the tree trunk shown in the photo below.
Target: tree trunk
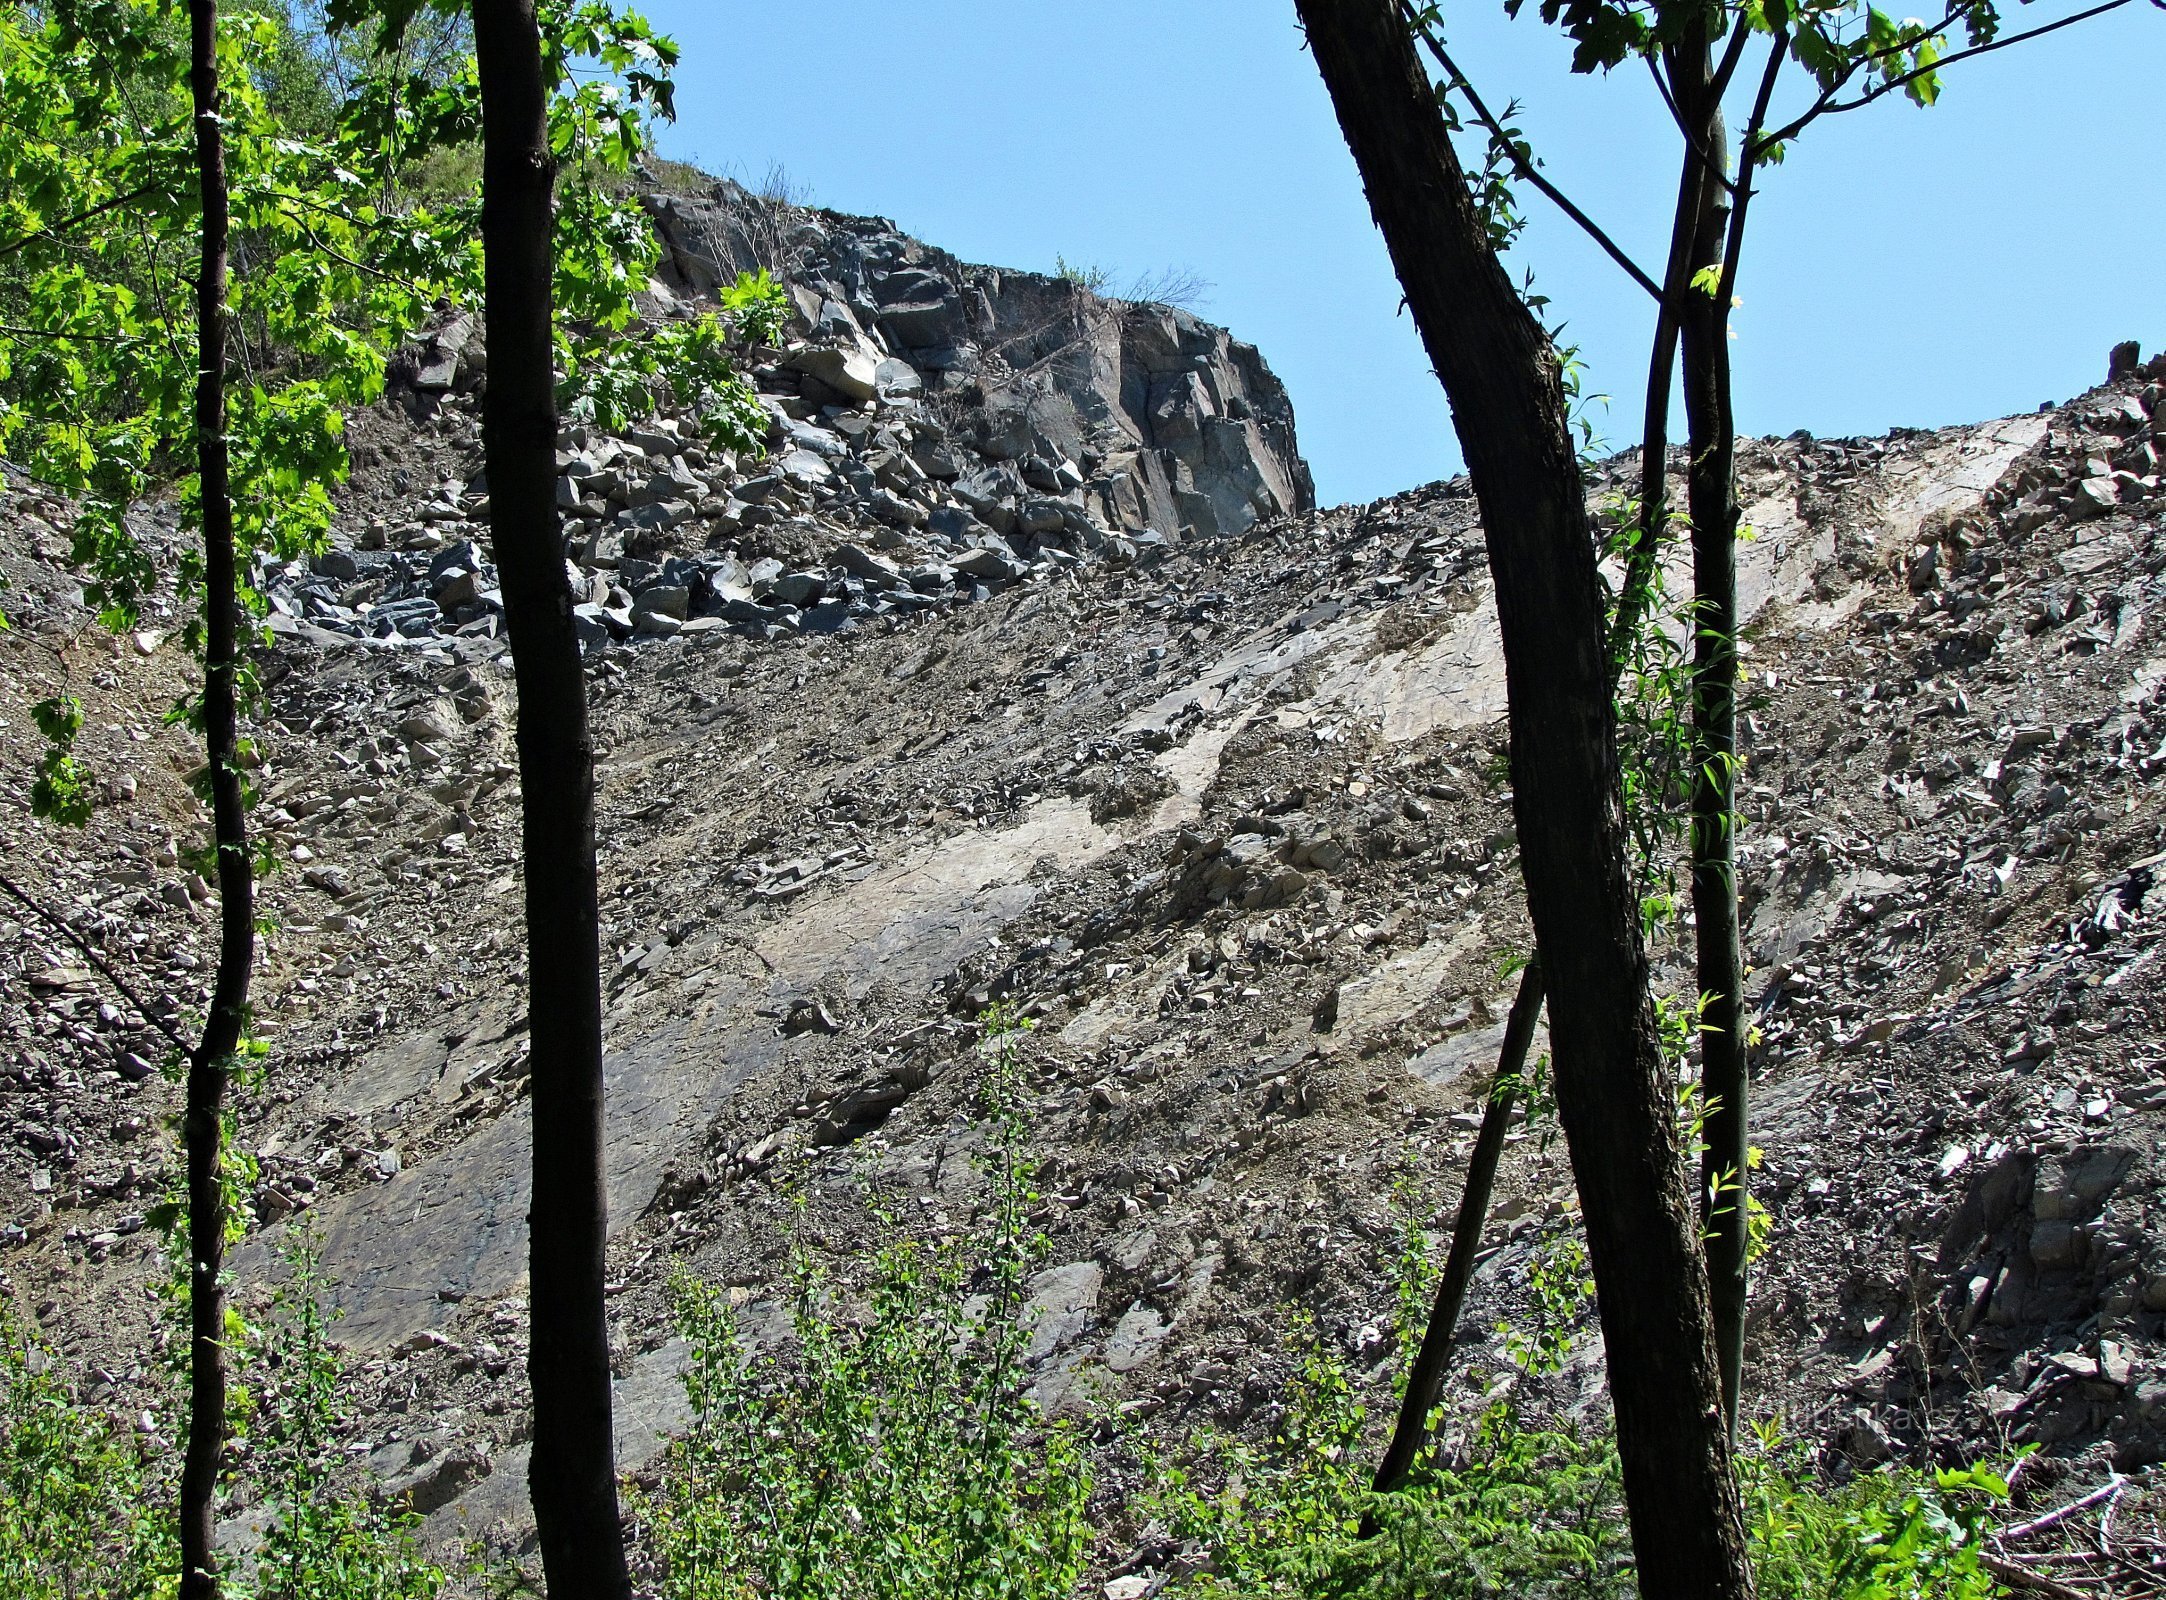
{"x": 203, "y": 1119}
{"x": 1655, "y": 427}
{"x": 573, "y": 1475}
{"x": 1711, "y": 492}
{"x": 1502, "y": 377}
{"x": 1426, "y": 1382}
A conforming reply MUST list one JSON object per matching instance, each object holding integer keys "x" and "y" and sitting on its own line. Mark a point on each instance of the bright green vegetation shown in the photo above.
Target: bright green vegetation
{"x": 352, "y": 175}
{"x": 889, "y": 1449}
{"x": 324, "y": 1541}
{"x": 74, "y": 1517}
{"x": 896, "y": 1455}
{"x": 1524, "y": 1510}
{"x": 85, "y": 1501}
{"x": 894, "y": 1451}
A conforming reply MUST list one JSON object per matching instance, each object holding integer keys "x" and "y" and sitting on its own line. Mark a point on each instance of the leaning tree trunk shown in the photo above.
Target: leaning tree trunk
{"x": 1711, "y": 495}
{"x": 1502, "y": 377}
{"x": 573, "y": 1475}
{"x": 203, "y": 1119}
{"x": 1432, "y": 1363}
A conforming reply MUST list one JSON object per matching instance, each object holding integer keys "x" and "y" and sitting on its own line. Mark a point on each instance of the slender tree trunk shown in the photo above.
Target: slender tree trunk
{"x": 203, "y": 1120}
{"x": 1712, "y": 494}
{"x": 1426, "y": 1380}
{"x": 1502, "y": 377}
{"x": 1655, "y": 423}
{"x": 1425, "y": 1384}
{"x": 573, "y": 1474}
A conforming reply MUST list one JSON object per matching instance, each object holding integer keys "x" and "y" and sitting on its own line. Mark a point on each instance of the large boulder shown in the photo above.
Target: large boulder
{"x": 853, "y": 374}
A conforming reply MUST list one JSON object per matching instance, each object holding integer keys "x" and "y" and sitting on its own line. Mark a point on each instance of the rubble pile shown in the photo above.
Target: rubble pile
{"x": 936, "y": 432}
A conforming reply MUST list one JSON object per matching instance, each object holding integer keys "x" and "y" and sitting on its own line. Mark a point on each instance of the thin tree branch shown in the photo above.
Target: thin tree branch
{"x": 55, "y": 922}
{"x": 99, "y": 209}
{"x": 1733, "y": 248}
{"x": 14, "y": 332}
{"x": 2018, "y": 1576}
{"x": 340, "y": 256}
{"x": 1732, "y": 54}
{"x": 1709, "y": 159}
{"x": 1827, "y": 104}
{"x": 2039, "y": 32}
{"x": 1425, "y": 1381}
{"x": 1955, "y": 13}
{"x": 2108, "y": 1490}
{"x": 1520, "y": 164}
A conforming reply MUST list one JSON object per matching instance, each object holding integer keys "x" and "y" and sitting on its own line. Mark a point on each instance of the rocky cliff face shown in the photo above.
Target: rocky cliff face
{"x": 1141, "y": 415}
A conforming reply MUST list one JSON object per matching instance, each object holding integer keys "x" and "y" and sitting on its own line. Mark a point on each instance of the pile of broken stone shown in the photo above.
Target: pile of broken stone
{"x": 663, "y": 531}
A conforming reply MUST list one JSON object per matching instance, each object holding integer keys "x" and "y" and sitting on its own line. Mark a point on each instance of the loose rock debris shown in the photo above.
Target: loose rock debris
{"x": 1225, "y": 814}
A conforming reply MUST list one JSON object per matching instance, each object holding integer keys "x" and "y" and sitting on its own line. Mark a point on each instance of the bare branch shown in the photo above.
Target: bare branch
{"x": 58, "y": 925}
{"x": 103, "y": 206}
{"x": 2018, "y": 1576}
{"x": 13, "y": 332}
{"x": 1520, "y": 164}
{"x": 2108, "y": 1490}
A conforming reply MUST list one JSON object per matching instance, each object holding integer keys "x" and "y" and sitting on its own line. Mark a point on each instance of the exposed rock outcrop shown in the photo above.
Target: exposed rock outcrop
{"x": 1143, "y": 413}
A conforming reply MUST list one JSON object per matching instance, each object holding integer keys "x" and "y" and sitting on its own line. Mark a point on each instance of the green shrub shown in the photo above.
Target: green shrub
{"x": 1096, "y": 279}
{"x": 1894, "y": 1534}
{"x": 323, "y": 1541}
{"x": 1525, "y": 1513}
{"x": 83, "y": 1516}
{"x": 1532, "y": 1512}
{"x": 890, "y": 1454}
{"x": 894, "y": 1453}
{"x": 74, "y": 1517}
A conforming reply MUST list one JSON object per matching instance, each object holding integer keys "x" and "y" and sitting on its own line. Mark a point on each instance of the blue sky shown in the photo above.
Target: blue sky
{"x": 1906, "y": 267}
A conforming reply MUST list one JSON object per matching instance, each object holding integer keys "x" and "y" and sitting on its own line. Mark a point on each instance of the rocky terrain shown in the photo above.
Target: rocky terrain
{"x": 1049, "y": 686}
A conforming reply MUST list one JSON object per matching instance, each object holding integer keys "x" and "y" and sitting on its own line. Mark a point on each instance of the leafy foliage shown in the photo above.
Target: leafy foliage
{"x": 61, "y": 789}
{"x": 1531, "y": 1511}
{"x": 83, "y": 1512}
{"x": 335, "y": 261}
{"x": 324, "y": 1541}
{"x": 1096, "y": 279}
{"x": 98, "y": 354}
{"x": 1888, "y": 1535}
{"x": 611, "y": 75}
{"x": 1841, "y": 43}
{"x": 1524, "y": 1512}
{"x": 895, "y": 1451}
{"x": 75, "y": 1518}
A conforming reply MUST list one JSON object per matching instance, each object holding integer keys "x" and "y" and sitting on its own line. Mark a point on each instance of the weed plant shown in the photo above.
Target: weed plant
{"x": 86, "y": 1505}
{"x": 323, "y": 1541}
{"x": 1536, "y": 1512}
{"x": 888, "y": 1452}
{"x": 75, "y": 1489}
{"x": 891, "y": 1450}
